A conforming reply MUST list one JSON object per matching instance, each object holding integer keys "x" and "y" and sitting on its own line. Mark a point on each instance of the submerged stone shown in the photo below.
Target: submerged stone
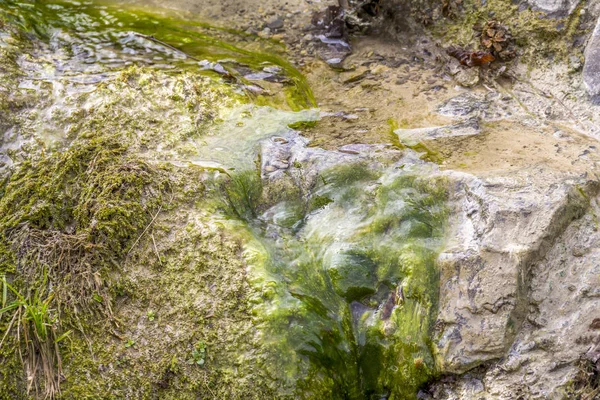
{"x": 412, "y": 137}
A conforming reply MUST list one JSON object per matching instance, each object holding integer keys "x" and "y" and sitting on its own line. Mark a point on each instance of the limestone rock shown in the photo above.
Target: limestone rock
{"x": 559, "y": 8}
{"x": 461, "y": 130}
{"x": 502, "y": 227}
{"x": 559, "y": 328}
{"x": 591, "y": 69}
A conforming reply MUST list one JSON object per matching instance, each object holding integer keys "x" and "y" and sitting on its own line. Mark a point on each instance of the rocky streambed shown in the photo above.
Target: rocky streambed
{"x": 299, "y": 200}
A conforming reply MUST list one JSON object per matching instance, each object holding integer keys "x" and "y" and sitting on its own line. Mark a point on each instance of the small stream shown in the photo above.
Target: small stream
{"x": 341, "y": 246}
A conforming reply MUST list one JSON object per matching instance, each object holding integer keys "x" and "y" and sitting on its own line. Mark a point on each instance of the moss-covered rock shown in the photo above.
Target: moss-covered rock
{"x": 164, "y": 279}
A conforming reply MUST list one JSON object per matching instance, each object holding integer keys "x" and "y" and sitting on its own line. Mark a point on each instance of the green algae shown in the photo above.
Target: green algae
{"x": 242, "y": 193}
{"x": 186, "y": 42}
{"x": 356, "y": 299}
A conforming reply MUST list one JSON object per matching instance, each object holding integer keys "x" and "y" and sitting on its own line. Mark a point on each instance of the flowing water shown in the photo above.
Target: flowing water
{"x": 340, "y": 245}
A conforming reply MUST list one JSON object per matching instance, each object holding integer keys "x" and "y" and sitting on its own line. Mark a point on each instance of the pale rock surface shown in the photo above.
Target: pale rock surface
{"x": 555, "y": 7}
{"x": 591, "y": 69}
{"x": 556, "y": 320}
{"x": 503, "y": 226}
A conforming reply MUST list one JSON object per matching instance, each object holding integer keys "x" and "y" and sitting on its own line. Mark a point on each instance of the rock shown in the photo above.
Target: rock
{"x": 591, "y": 68}
{"x": 493, "y": 282}
{"x": 265, "y": 33}
{"x": 332, "y": 50}
{"x": 555, "y": 8}
{"x": 462, "y": 105}
{"x": 502, "y": 229}
{"x": 379, "y": 69}
{"x": 575, "y": 63}
{"x": 275, "y": 23}
{"x": 467, "y": 77}
{"x": 356, "y": 75}
{"x": 489, "y": 107}
{"x": 412, "y": 137}
{"x": 370, "y": 84}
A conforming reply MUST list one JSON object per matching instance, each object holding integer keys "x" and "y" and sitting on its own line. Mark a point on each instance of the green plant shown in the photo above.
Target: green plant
{"x": 129, "y": 343}
{"x": 198, "y": 354}
{"x": 242, "y": 194}
{"x": 151, "y": 315}
{"x": 37, "y": 328}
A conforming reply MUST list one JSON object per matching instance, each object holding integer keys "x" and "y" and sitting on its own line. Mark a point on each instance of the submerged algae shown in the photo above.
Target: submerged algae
{"x": 114, "y": 36}
{"x": 348, "y": 300}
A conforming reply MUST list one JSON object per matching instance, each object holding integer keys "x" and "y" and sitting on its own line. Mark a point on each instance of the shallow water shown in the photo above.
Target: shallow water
{"x": 341, "y": 246}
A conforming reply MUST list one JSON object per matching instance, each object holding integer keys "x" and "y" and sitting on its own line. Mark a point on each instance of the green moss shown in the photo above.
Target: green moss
{"x": 191, "y": 274}
{"x": 537, "y": 36}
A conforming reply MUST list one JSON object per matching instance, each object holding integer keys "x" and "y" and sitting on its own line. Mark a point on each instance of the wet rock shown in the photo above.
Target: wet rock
{"x": 332, "y": 46}
{"x": 504, "y": 228}
{"x": 355, "y": 76}
{"x": 548, "y": 355}
{"x": 330, "y": 22}
{"x": 591, "y": 68}
{"x": 370, "y": 84}
{"x": 412, "y": 137}
{"x": 275, "y": 23}
{"x": 333, "y": 50}
{"x": 463, "y": 105}
{"x": 265, "y": 33}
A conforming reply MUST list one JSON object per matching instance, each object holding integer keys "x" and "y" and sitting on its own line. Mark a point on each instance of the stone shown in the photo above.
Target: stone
{"x": 502, "y": 229}
{"x": 275, "y": 23}
{"x": 356, "y": 75}
{"x": 463, "y": 105}
{"x": 265, "y": 33}
{"x": 575, "y": 63}
{"x": 412, "y": 137}
{"x": 555, "y": 8}
{"x": 467, "y": 77}
{"x": 591, "y": 68}
{"x": 485, "y": 312}
{"x": 379, "y": 69}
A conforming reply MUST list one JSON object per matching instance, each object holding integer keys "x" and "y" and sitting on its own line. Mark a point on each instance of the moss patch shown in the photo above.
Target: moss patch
{"x": 537, "y": 36}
